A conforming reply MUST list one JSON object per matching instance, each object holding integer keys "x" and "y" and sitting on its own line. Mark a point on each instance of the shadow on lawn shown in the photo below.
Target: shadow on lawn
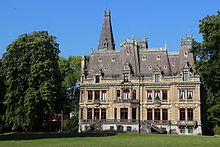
{"x": 44, "y": 135}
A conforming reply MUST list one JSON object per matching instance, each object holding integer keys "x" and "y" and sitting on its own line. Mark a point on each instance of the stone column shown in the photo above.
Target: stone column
{"x": 92, "y": 113}
{"x": 129, "y": 113}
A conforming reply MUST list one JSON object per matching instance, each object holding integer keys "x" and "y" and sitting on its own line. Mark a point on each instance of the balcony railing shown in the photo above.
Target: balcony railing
{"x": 119, "y": 100}
{"x": 158, "y": 121}
{"x": 96, "y": 101}
{"x": 109, "y": 120}
{"x": 187, "y": 123}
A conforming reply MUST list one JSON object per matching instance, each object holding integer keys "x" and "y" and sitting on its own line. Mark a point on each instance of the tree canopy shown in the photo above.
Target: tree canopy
{"x": 70, "y": 73}
{"x": 32, "y": 79}
{"x": 207, "y": 54}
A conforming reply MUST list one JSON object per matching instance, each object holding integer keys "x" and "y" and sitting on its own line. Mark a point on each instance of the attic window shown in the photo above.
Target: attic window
{"x": 158, "y": 57}
{"x": 144, "y": 58}
{"x": 113, "y": 59}
{"x": 185, "y": 54}
{"x": 100, "y": 59}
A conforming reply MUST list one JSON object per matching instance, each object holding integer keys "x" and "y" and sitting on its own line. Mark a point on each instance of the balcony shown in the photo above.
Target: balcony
{"x": 96, "y": 102}
{"x": 159, "y": 122}
{"x": 157, "y": 103}
{"x": 110, "y": 121}
{"x": 119, "y": 100}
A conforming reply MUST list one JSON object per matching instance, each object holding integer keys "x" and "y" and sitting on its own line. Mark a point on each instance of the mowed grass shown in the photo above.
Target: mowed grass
{"x": 116, "y": 140}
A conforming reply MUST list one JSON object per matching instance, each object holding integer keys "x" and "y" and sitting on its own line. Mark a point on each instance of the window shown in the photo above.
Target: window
{"x": 190, "y": 130}
{"x": 185, "y": 76}
{"x": 105, "y": 44}
{"x": 97, "y": 79}
{"x": 96, "y": 113}
{"x": 118, "y": 93}
{"x": 190, "y": 114}
{"x": 115, "y": 113}
{"x": 149, "y": 94}
{"x": 164, "y": 95}
{"x": 97, "y": 95}
{"x": 90, "y": 95}
{"x": 124, "y": 113}
{"x": 103, "y": 94}
{"x": 112, "y": 128}
{"x": 156, "y": 114}
{"x": 157, "y": 94}
{"x": 158, "y": 57}
{"x": 126, "y": 77}
{"x": 134, "y": 94}
{"x": 182, "y": 114}
{"x": 129, "y": 128}
{"x": 113, "y": 59}
{"x": 82, "y": 95}
{"x": 81, "y": 115}
{"x": 182, "y": 94}
{"x": 133, "y": 113}
{"x": 89, "y": 113}
{"x": 157, "y": 78}
{"x": 103, "y": 113}
{"x": 126, "y": 94}
{"x": 120, "y": 128}
{"x": 182, "y": 130}
{"x": 189, "y": 93}
{"x": 164, "y": 114}
{"x": 149, "y": 114}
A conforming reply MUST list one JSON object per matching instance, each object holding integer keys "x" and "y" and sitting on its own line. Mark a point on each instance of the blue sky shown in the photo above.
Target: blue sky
{"x": 77, "y": 23}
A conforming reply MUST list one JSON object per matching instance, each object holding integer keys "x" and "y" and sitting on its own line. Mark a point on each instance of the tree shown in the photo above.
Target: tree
{"x": 70, "y": 73}
{"x": 32, "y": 78}
{"x": 207, "y": 54}
{"x": 2, "y": 92}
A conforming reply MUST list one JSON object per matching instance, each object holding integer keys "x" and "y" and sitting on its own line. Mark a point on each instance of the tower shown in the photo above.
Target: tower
{"x": 106, "y": 41}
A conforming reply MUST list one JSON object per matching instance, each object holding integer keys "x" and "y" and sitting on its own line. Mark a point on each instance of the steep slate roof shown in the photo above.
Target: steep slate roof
{"x": 143, "y": 61}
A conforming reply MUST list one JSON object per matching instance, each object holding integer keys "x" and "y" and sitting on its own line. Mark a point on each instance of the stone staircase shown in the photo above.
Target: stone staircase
{"x": 149, "y": 127}
{"x": 94, "y": 126}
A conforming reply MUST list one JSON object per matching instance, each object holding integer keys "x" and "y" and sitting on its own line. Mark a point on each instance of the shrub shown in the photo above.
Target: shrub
{"x": 72, "y": 124}
{"x": 216, "y": 130}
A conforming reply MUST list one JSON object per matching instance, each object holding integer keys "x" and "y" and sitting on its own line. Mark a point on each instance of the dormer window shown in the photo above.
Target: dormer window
{"x": 185, "y": 76}
{"x": 97, "y": 79}
{"x": 144, "y": 58}
{"x": 113, "y": 59}
{"x": 100, "y": 59}
{"x": 126, "y": 77}
{"x": 158, "y": 57}
{"x": 157, "y": 77}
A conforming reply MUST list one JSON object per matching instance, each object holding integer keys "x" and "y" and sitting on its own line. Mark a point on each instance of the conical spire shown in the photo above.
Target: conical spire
{"x": 106, "y": 41}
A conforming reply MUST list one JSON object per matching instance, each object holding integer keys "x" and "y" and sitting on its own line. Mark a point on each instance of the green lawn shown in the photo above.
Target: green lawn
{"x": 103, "y": 140}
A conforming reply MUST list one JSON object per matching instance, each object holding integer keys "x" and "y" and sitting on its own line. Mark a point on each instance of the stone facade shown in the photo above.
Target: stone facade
{"x": 139, "y": 89}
